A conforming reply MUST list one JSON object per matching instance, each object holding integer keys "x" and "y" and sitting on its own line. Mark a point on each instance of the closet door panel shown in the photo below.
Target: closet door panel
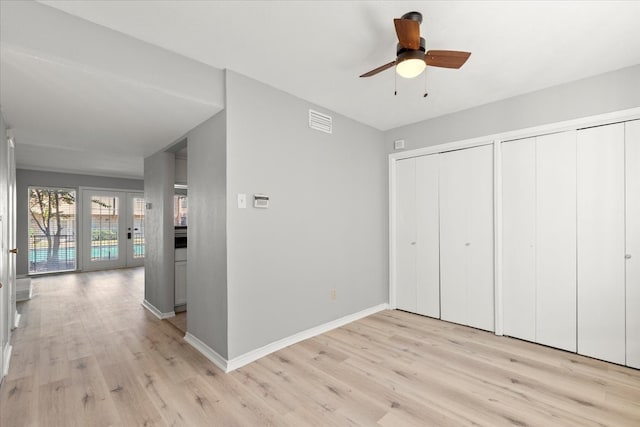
{"x": 466, "y": 237}
{"x": 556, "y": 240}
{"x": 428, "y": 239}
{"x": 454, "y": 212}
{"x": 632, "y": 159}
{"x": 406, "y": 293}
{"x": 518, "y": 238}
{"x": 601, "y": 243}
{"x": 479, "y": 244}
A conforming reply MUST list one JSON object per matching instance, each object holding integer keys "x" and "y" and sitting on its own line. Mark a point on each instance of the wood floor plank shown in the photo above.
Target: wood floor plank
{"x": 87, "y": 354}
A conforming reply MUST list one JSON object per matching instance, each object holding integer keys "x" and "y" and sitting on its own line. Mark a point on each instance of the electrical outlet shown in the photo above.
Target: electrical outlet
{"x": 333, "y": 294}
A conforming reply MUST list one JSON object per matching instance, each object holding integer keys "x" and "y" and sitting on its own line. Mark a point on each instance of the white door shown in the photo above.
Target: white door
{"x": 555, "y": 244}
{"x": 466, "y": 237}
{"x": 5, "y": 299}
{"x": 601, "y": 242}
{"x": 109, "y": 238}
{"x": 7, "y": 249}
{"x": 135, "y": 229}
{"x": 427, "y": 236}
{"x": 406, "y": 292}
{"x": 632, "y": 151}
{"x": 518, "y": 238}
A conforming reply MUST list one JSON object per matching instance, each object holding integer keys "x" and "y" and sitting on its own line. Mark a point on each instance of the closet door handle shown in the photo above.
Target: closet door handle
{"x": 413, "y": 243}
{"x": 13, "y": 251}
{"x": 627, "y": 256}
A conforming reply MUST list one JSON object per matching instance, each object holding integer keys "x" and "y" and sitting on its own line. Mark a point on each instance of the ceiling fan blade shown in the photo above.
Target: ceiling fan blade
{"x": 446, "y": 58}
{"x": 379, "y": 69}
{"x": 408, "y": 32}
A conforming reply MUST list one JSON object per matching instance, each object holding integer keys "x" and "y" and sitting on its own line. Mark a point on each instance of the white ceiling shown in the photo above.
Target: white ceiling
{"x": 112, "y": 94}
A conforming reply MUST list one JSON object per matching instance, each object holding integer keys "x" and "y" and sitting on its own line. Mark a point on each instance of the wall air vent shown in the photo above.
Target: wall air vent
{"x": 319, "y": 121}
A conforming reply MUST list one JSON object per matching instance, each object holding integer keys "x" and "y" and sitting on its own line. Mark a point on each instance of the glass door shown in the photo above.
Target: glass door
{"x": 135, "y": 229}
{"x": 104, "y": 224}
{"x": 113, "y": 229}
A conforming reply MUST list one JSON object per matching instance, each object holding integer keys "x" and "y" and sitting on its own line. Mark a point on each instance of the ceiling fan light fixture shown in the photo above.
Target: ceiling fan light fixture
{"x": 410, "y": 64}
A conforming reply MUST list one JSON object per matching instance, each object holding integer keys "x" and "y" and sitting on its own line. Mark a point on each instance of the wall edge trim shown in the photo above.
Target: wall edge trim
{"x": 160, "y": 315}
{"x": 8, "y": 350}
{"x": 207, "y": 351}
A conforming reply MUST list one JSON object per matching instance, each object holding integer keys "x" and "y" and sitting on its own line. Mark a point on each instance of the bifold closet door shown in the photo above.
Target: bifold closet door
{"x": 539, "y": 239}
{"x": 427, "y": 232}
{"x": 417, "y": 243}
{"x": 632, "y": 151}
{"x": 518, "y": 238}
{"x": 466, "y": 237}
{"x": 555, "y": 241}
{"x": 405, "y": 186}
{"x": 601, "y": 242}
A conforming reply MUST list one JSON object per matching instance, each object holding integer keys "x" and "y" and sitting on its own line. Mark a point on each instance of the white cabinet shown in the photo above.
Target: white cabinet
{"x": 632, "y": 257}
{"x": 539, "y": 239}
{"x": 180, "y": 283}
{"x": 601, "y": 242}
{"x": 418, "y": 276}
{"x": 466, "y": 237}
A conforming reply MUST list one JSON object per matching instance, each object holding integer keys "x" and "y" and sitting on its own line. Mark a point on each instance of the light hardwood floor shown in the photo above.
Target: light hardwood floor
{"x": 88, "y": 354}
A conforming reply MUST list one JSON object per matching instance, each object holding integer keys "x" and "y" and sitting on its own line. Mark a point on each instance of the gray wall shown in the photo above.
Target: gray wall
{"x": 326, "y": 226}
{"x": 159, "y": 263}
{"x": 207, "y": 249}
{"x": 614, "y": 91}
{"x": 27, "y": 178}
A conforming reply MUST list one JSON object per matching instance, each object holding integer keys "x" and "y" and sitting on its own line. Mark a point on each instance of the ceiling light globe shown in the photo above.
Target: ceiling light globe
{"x": 410, "y": 68}
{"x": 410, "y": 63}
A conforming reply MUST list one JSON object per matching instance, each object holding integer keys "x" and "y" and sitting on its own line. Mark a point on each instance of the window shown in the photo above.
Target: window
{"x": 52, "y": 229}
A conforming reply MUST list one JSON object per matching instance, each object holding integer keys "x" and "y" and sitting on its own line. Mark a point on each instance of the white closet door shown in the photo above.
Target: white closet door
{"x": 632, "y": 143}
{"x": 518, "y": 238}
{"x": 466, "y": 237}
{"x": 556, "y": 240}
{"x": 454, "y": 212}
{"x": 406, "y": 292}
{"x": 601, "y": 243}
{"x": 428, "y": 241}
{"x": 480, "y": 303}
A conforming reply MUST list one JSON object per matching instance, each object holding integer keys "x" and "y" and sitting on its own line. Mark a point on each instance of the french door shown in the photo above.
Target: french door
{"x": 112, "y": 229}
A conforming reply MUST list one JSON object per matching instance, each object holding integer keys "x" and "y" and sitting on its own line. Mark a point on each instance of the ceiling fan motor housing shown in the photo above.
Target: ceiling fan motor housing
{"x": 414, "y": 16}
{"x": 402, "y": 50}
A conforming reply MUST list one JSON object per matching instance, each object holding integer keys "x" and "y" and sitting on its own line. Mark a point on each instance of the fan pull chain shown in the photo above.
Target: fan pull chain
{"x": 425, "y": 84}
{"x": 395, "y": 83}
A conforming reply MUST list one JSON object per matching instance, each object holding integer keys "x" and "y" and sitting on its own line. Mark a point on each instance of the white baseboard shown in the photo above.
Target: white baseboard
{"x": 245, "y": 359}
{"x": 16, "y": 321}
{"x": 160, "y": 315}
{"x": 207, "y": 351}
{"x": 24, "y": 289}
{"x": 7, "y": 359}
{"x": 238, "y": 362}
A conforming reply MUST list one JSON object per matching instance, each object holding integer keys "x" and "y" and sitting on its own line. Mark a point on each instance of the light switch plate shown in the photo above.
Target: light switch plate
{"x": 398, "y": 144}
{"x": 242, "y": 201}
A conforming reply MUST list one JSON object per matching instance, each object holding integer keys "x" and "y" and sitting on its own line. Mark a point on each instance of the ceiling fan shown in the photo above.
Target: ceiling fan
{"x": 411, "y": 57}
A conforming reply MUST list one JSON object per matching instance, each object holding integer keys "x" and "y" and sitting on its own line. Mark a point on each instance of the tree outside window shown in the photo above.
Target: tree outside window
{"x": 52, "y": 229}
